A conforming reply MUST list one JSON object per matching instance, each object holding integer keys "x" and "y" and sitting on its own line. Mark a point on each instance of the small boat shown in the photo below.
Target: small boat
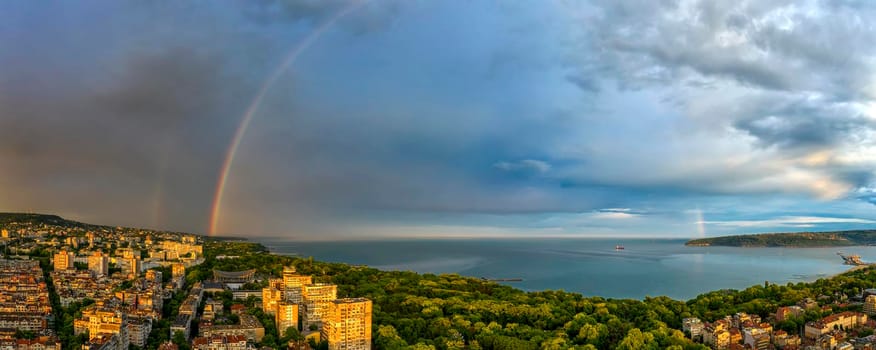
{"x": 618, "y": 247}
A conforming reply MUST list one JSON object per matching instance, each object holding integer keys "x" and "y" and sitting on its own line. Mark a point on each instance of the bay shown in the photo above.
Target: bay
{"x": 592, "y": 267}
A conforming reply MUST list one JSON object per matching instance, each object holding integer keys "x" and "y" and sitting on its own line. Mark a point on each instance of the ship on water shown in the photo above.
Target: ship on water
{"x": 618, "y": 247}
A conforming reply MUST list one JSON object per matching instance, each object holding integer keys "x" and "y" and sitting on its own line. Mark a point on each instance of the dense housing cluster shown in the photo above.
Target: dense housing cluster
{"x": 25, "y": 306}
{"x": 343, "y": 323}
{"x": 111, "y": 293}
{"x": 846, "y": 330}
{"x": 109, "y": 279}
{"x": 65, "y": 285}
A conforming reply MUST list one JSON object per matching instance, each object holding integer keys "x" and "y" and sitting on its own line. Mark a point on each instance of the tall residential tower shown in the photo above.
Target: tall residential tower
{"x": 347, "y": 324}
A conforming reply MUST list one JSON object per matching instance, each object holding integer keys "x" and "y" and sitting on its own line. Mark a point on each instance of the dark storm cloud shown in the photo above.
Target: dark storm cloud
{"x": 370, "y": 16}
{"x": 434, "y": 113}
{"x": 393, "y": 162}
{"x": 584, "y": 83}
{"x": 867, "y": 193}
{"x": 802, "y": 124}
{"x": 118, "y": 130}
{"x": 152, "y": 128}
{"x": 168, "y": 89}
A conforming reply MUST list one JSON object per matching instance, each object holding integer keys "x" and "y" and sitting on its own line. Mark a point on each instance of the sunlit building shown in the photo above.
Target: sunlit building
{"x": 133, "y": 266}
{"x": 100, "y": 321}
{"x": 178, "y": 270}
{"x": 128, "y": 253}
{"x": 317, "y": 298}
{"x": 786, "y": 312}
{"x": 845, "y": 321}
{"x": 63, "y": 260}
{"x": 105, "y": 341}
{"x": 38, "y": 343}
{"x": 218, "y": 342}
{"x": 717, "y": 334}
{"x": 870, "y": 305}
{"x": 347, "y": 324}
{"x": 154, "y": 276}
{"x": 178, "y": 274}
{"x": 98, "y": 263}
{"x": 293, "y": 284}
{"x": 249, "y": 327}
{"x": 287, "y": 316}
{"x": 270, "y": 297}
{"x": 782, "y": 339}
{"x": 757, "y": 338}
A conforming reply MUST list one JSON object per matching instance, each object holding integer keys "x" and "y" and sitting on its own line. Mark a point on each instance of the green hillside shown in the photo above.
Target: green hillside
{"x": 792, "y": 239}
{"x": 37, "y": 219}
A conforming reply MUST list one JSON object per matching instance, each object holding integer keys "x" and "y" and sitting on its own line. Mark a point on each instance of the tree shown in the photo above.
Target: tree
{"x": 636, "y": 340}
{"x": 322, "y": 345}
{"x": 24, "y": 334}
{"x": 592, "y": 334}
{"x": 269, "y": 340}
{"x": 180, "y": 340}
{"x": 387, "y": 338}
{"x": 291, "y": 333}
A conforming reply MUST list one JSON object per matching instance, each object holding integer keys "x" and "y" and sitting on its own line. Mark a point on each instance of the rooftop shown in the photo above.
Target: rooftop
{"x": 350, "y": 300}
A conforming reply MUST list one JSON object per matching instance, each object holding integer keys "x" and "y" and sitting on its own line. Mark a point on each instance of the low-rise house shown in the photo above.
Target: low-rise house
{"x": 182, "y": 324}
{"x": 786, "y": 312}
{"x": 138, "y": 330}
{"x": 693, "y": 326}
{"x": 249, "y": 327}
{"x": 841, "y": 321}
{"x": 218, "y": 342}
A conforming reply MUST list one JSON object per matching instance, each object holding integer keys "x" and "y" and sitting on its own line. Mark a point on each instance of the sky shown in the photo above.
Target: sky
{"x": 375, "y": 119}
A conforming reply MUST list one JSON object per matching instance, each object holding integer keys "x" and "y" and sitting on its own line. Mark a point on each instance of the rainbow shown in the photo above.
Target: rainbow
{"x": 701, "y": 223}
{"x": 253, "y": 108}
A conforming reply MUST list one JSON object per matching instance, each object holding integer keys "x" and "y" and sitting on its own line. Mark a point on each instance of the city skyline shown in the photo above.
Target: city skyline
{"x": 349, "y": 119}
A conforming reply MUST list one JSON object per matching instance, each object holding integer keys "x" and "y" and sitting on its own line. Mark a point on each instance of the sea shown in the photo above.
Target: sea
{"x": 593, "y": 267}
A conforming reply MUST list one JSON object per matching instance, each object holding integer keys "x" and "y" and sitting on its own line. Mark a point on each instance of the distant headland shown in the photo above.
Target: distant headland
{"x": 791, "y": 239}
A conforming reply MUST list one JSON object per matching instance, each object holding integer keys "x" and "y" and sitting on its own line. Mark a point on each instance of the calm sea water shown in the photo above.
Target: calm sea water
{"x": 589, "y": 266}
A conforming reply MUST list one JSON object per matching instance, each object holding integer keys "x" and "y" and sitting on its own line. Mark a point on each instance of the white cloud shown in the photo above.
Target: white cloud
{"x": 534, "y": 165}
{"x": 613, "y": 215}
{"x": 790, "y": 221}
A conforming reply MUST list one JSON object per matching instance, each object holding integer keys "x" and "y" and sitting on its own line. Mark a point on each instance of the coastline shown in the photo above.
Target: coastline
{"x": 847, "y": 238}
{"x": 433, "y": 292}
{"x": 658, "y": 267}
{"x": 853, "y": 269}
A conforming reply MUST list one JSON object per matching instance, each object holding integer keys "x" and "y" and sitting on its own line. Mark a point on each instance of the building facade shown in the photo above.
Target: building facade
{"x": 287, "y": 316}
{"x": 293, "y": 283}
{"x": 138, "y": 331}
{"x": 63, "y": 260}
{"x": 98, "y": 263}
{"x": 870, "y": 305}
{"x": 693, "y": 326}
{"x": 270, "y": 297}
{"x": 99, "y": 322}
{"x": 844, "y": 321}
{"x": 347, "y": 324}
{"x": 317, "y": 298}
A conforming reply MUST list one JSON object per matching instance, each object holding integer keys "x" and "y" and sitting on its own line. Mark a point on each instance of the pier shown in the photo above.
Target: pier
{"x": 854, "y": 260}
